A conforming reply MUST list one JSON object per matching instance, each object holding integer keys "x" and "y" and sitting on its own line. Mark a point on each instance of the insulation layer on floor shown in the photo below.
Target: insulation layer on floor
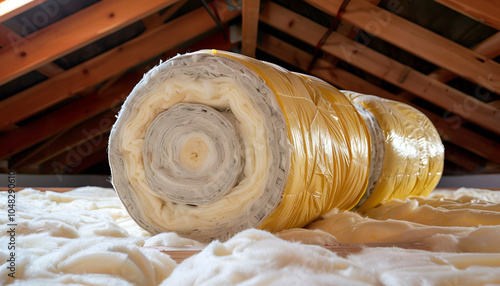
{"x": 86, "y": 237}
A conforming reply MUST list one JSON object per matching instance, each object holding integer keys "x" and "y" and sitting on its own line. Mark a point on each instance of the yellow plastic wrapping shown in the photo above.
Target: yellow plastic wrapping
{"x": 313, "y": 141}
{"x": 414, "y": 154}
{"x": 329, "y": 140}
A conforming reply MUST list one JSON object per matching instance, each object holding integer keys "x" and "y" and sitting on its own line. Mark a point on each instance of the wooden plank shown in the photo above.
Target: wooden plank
{"x": 7, "y": 37}
{"x": 418, "y": 41}
{"x": 77, "y": 158}
{"x": 90, "y": 129}
{"x": 152, "y": 21}
{"x": 110, "y": 82}
{"x": 88, "y": 161}
{"x": 12, "y": 8}
{"x": 489, "y": 48}
{"x": 448, "y": 129}
{"x": 349, "y": 30}
{"x": 250, "y": 23}
{"x": 74, "y": 32}
{"x": 214, "y": 41}
{"x": 463, "y": 159}
{"x": 155, "y": 20}
{"x": 67, "y": 116}
{"x": 484, "y": 11}
{"x": 50, "y": 70}
{"x": 106, "y": 65}
{"x": 384, "y": 67}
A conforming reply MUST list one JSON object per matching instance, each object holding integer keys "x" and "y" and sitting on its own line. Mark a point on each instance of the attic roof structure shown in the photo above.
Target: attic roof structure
{"x": 67, "y": 65}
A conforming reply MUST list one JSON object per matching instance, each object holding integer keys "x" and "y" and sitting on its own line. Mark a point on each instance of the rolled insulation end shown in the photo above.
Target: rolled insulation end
{"x": 211, "y": 143}
{"x": 413, "y": 158}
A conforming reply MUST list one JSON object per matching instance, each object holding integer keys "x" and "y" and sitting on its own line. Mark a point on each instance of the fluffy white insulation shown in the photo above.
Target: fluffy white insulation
{"x": 85, "y": 237}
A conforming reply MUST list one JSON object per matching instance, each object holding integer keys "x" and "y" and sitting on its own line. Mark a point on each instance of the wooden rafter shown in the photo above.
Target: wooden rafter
{"x": 67, "y": 116}
{"x": 88, "y": 161}
{"x": 250, "y": 23}
{"x": 383, "y": 67}
{"x": 347, "y": 29}
{"x": 418, "y": 41}
{"x": 462, "y": 158}
{"x": 106, "y": 65}
{"x": 50, "y": 70}
{"x": 73, "y": 32}
{"x": 7, "y": 36}
{"x": 155, "y": 20}
{"x": 458, "y": 135}
{"x": 484, "y": 11}
{"x": 77, "y": 158}
{"x": 90, "y": 129}
{"x": 490, "y": 48}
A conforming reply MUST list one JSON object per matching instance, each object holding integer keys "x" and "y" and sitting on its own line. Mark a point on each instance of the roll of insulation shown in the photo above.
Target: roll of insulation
{"x": 413, "y": 153}
{"x": 211, "y": 143}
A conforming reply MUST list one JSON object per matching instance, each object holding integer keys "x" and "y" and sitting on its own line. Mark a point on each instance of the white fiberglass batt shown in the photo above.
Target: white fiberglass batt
{"x": 86, "y": 237}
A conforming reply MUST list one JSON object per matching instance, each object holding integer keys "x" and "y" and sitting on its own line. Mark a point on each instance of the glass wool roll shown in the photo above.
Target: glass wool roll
{"x": 211, "y": 143}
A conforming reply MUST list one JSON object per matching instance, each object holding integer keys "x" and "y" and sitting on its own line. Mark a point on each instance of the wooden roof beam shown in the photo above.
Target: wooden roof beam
{"x": 74, "y": 32}
{"x": 250, "y": 23}
{"x": 107, "y": 64}
{"x": 50, "y": 70}
{"x": 458, "y": 135}
{"x": 418, "y": 41}
{"x": 484, "y": 11}
{"x": 90, "y": 129}
{"x": 68, "y": 116}
{"x": 6, "y": 35}
{"x": 349, "y": 30}
{"x": 155, "y": 20}
{"x": 77, "y": 158}
{"x": 89, "y": 160}
{"x": 462, "y": 158}
{"x": 6, "y": 38}
{"x": 490, "y": 48}
{"x": 383, "y": 67}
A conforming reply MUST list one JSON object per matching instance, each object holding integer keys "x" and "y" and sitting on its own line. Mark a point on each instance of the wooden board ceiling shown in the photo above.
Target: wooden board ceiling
{"x": 67, "y": 65}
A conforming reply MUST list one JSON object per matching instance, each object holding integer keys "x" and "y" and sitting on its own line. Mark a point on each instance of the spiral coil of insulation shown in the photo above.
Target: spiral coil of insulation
{"x": 211, "y": 143}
